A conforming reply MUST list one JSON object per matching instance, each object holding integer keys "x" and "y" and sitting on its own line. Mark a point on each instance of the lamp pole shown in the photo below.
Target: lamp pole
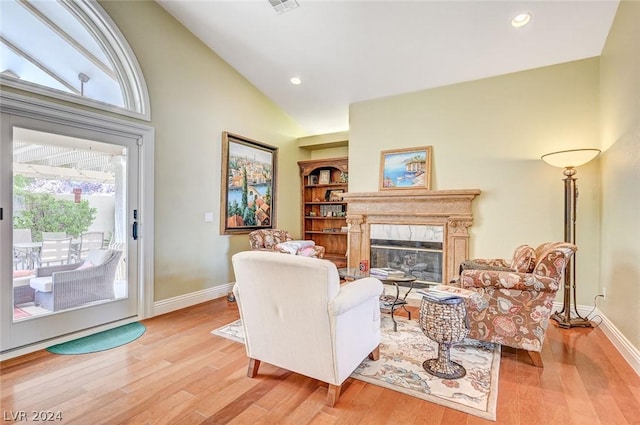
{"x": 568, "y": 160}
{"x": 570, "y": 201}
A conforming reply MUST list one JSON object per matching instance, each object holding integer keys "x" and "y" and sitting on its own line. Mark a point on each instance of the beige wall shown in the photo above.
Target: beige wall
{"x": 489, "y": 135}
{"x": 195, "y": 96}
{"x": 620, "y": 94}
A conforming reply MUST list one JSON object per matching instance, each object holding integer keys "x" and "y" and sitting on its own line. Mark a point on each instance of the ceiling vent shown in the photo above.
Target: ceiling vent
{"x": 281, "y": 6}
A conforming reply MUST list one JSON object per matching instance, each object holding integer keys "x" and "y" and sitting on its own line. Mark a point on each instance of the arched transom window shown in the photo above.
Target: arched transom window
{"x": 70, "y": 50}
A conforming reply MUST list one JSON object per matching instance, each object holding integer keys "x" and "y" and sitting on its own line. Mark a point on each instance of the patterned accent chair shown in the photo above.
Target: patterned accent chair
{"x": 282, "y": 241}
{"x": 510, "y": 302}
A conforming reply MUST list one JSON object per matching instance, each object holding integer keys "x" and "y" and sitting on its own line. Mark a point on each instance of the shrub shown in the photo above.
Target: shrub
{"x": 45, "y": 213}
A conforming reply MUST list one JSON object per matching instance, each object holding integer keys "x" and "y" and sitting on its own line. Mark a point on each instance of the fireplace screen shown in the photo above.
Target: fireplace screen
{"x": 416, "y": 250}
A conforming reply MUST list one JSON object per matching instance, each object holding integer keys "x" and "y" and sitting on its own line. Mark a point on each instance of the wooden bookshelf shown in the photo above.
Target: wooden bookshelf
{"x": 323, "y": 209}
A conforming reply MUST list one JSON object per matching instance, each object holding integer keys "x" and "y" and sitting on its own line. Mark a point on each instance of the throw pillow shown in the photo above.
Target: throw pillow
{"x": 85, "y": 265}
{"x": 524, "y": 259}
{"x": 472, "y": 265}
{"x": 98, "y": 256}
{"x": 293, "y": 247}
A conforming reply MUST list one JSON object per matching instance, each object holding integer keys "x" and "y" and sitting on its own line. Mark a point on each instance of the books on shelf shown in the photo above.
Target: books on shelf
{"x": 385, "y": 272}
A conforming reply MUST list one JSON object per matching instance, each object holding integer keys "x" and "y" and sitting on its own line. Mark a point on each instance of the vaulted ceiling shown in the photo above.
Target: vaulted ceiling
{"x": 350, "y": 51}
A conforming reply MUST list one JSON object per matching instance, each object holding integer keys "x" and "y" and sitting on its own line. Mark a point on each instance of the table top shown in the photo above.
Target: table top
{"x": 27, "y": 245}
{"x": 352, "y": 273}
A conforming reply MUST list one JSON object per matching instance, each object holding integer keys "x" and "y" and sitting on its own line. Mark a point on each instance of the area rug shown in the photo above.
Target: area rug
{"x": 19, "y": 313}
{"x": 22, "y": 311}
{"x": 400, "y": 368}
{"x": 101, "y": 341}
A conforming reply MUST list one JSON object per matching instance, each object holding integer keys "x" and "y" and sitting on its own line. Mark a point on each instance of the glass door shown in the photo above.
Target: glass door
{"x": 71, "y": 263}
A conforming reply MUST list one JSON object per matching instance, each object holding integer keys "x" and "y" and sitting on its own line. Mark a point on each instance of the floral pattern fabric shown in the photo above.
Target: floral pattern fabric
{"x": 513, "y": 308}
{"x": 268, "y": 239}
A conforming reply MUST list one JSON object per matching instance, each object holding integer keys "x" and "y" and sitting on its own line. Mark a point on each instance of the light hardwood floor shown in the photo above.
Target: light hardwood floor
{"x": 179, "y": 373}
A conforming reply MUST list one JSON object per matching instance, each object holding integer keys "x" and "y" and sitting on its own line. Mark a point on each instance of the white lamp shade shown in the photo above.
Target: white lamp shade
{"x": 571, "y": 158}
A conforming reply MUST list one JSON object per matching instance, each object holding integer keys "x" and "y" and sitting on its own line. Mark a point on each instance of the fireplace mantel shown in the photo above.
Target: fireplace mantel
{"x": 448, "y": 208}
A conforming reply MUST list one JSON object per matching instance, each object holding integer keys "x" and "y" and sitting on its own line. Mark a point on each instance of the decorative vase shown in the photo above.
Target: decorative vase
{"x": 445, "y": 322}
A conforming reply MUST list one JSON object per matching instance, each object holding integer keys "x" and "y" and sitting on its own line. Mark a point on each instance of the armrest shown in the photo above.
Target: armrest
{"x": 355, "y": 293}
{"x": 48, "y": 271}
{"x": 508, "y": 280}
{"x": 83, "y": 275}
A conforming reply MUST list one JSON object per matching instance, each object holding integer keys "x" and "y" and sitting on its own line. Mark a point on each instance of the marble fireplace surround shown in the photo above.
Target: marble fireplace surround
{"x": 450, "y": 209}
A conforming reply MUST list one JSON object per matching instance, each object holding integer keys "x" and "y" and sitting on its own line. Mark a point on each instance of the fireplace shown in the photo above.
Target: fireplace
{"x": 414, "y": 249}
{"x": 423, "y": 232}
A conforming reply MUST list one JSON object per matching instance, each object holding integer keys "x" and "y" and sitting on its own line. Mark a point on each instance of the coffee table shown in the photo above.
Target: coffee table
{"x": 388, "y": 303}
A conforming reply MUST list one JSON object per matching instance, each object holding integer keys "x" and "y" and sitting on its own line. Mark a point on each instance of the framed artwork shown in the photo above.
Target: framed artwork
{"x": 333, "y": 195}
{"x": 248, "y": 185}
{"x": 408, "y": 168}
{"x": 324, "y": 177}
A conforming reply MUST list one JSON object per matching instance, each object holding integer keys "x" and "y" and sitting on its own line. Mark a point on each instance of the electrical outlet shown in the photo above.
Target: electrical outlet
{"x": 604, "y": 293}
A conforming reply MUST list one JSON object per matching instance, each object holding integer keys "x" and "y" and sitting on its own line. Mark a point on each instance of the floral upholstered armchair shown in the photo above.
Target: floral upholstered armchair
{"x": 281, "y": 241}
{"x": 510, "y": 302}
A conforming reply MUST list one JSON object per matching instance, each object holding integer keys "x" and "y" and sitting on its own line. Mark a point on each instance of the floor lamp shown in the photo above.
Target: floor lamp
{"x": 569, "y": 160}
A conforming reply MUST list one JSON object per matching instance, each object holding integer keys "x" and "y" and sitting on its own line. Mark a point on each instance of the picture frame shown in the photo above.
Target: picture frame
{"x": 331, "y": 195}
{"x": 248, "y": 185}
{"x": 407, "y": 168}
{"x": 313, "y": 180}
{"x": 324, "y": 177}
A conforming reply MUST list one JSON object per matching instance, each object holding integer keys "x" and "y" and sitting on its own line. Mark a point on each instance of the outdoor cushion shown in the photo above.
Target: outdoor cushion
{"x": 22, "y": 273}
{"x": 42, "y": 284}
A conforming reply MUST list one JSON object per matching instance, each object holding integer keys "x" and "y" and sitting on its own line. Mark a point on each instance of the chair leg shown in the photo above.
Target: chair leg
{"x": 333, "y": 394}
{"x": 375, "y": 354}
{"x": 254, "y": 365}
{"x": 536, "y": 358}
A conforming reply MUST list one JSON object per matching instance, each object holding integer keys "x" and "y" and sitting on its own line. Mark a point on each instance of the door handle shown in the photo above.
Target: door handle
{"x": 134, "y": 227}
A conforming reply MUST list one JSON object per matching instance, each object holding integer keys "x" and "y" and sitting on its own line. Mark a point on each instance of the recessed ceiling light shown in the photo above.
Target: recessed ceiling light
{"x": 521, "y": 20}
{"x": 296, "y": 81}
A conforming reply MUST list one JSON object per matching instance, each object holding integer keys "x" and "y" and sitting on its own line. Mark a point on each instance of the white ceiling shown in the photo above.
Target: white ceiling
{"x": 349, "y": 51}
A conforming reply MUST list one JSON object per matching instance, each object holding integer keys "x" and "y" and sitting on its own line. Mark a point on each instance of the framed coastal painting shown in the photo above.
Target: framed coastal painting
{"x": 248, "y": 185}
{"x": 408, "y": 168}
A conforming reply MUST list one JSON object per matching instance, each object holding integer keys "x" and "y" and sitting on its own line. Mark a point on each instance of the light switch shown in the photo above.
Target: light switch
{"x": 208, "y": 217}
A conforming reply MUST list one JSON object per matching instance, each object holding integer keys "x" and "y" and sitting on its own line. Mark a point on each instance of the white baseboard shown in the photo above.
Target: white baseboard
{"x": 193, "y": 298}
{"x": 630, "y": 353}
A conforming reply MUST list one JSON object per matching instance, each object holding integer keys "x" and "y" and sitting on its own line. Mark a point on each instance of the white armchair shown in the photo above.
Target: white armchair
{"x": 297, "y": 316}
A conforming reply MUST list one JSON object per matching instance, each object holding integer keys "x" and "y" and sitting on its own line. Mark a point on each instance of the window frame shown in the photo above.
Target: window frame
{"x": 130, "y": 77}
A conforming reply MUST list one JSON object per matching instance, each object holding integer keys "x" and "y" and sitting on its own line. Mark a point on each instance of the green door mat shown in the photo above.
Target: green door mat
{"x": 101, "y": 341}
